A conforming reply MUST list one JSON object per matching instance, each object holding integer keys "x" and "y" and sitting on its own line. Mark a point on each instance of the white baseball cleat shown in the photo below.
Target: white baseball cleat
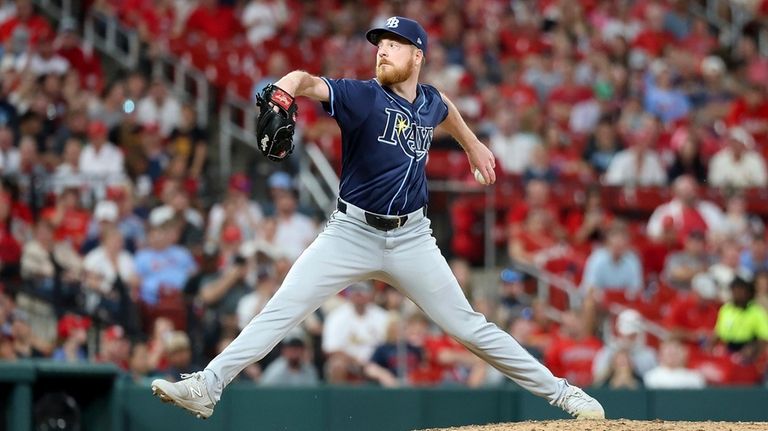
{"x": 190, "y": 393}
{"x": 578, "y": 404}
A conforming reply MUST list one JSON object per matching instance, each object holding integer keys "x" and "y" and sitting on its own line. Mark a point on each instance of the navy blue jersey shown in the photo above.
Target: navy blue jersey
{"x": 385, "y": 140}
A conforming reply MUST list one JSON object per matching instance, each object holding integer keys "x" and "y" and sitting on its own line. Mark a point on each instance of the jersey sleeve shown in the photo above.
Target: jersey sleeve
{"x": 442, "y": 107}
{"x": 350, "y": 101}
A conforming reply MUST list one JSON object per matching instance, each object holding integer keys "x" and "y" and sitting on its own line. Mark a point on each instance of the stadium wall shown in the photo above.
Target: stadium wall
{"x": 111, "y": 403}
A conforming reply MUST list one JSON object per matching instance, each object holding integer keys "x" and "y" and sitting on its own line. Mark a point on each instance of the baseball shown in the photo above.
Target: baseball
{"x": 479, "y": 177}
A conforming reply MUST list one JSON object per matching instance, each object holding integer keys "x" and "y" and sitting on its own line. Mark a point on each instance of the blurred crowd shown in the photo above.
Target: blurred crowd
{"x": 115, "y": 248}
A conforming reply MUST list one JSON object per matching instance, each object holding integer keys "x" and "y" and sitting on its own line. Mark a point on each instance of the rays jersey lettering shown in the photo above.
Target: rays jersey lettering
{"x": 412, "y": 138}
{"x": 384, "y": 143}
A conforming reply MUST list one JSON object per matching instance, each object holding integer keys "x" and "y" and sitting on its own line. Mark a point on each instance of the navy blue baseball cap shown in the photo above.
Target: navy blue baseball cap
{"x": 403, "y": 27}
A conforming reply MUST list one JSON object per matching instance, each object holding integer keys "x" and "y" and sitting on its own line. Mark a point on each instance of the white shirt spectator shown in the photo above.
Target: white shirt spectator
{"x": 9, "y": 161}
{"x": 667, "y": 378}
{"x": 623, "y": 169}
{"x": 167, "y": 115}
{"x": 7, "y": 11}
{"x": 356, "y": 335}
{"x": 262, "y": 18}
{"x": 249, "y": 306}
{"x": 38, "y": 65}
{"x": 294, "y": 234}
{"x": 748, "y": 171}
{"x": 97, "y": 262}
{"x": 104, "y": 163}
{"x": 246, "y": 220}
{"x": 514, "y": 152}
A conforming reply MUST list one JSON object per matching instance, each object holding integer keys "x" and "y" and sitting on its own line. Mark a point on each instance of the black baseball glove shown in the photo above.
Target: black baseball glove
{"x": 276, "y": 123}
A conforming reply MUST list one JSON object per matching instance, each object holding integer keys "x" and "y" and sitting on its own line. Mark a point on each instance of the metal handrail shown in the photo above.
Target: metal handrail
{"x": 126, "y": 56}
{"x": 57, "y": 9}
{"x": 178, "y": 74}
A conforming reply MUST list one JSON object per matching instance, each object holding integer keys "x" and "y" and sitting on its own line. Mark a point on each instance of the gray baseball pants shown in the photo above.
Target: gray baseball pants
{"x": 349, "y": 250}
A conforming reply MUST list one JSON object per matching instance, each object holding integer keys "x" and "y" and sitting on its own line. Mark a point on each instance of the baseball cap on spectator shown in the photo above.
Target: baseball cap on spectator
{"x": 629, "y": 322}
{"x": 712, "y": 65}
{"x": 293, "y": 342}
{"x": 231, "y": 234}
{"x": 161, "y": 215}
{"x": 113, "y": 333}
{"x": 406, "y": 28}
{"x": 240, "y": 182}
{"x": 70, "y": 323}
{"x": 106, "y": 211}
{"x": 280, "y": 180}
{"x": 97, "y": 129}
{"x": 509, "y": 275}
{"x": 116, "y": 192}
{"x": 739, "y": 134}
{"x": 360, "y": 287}
{"x": 703, "y": 284}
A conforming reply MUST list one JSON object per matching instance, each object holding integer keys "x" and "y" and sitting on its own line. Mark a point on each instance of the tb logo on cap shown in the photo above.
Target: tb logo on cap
{"x": 393, "y": 22}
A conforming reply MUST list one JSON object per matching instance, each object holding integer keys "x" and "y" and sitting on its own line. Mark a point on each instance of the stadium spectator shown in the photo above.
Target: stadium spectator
{"x": 294, "y": 230}
{"x": 688, "y": 159}
{"x": 755, "y": 258}
{"x": 512, "y": 297}
{"x": 662, "y": 99}
{"x": 573, "y": 350}
{"x": 742, "y": 324}
{"x": 671, "y": 373}
{"x": 100, "y": 160}
{"x": 685, "y": 212}
{"x": 750, "y": 111}
{"x": 692, "y": 315}
{"x": 539, "y": 166}
{"x": 26, "y": 344}
{"x": 114, "y": 347}
{"x": 162, "y": 266}
{"x": 178, "y": 354}
{"x": 614, "y": 266}
{"x": 110, "y": 281}
{"x": 761, "y": 289}
{"x": 111, "y": 108}
{"x": 67, "y": 216}
{"x": 738, "y": 164}
{"x": 10, "y": 158}
{"x": 385, "y": 366}
{"x": 43, "y": 59}
{"x": 253, "y": 302}
{"x": 11, "y": 239}
{"x": 159, "y": 108}
{"x": 212, "y": 20}
{"x": 292, "y": 367}
{"x": 680, "y": 267}
{"x": 639, "y": 164}
{"x": 602, "y": 146}
{"x": 727, "y": 268}
{"x": 190, "y": 142}
{"x": 630, "y": 344}
{"x": 68, "y": 46}
{"x": 235, "y": 208}
{"x": 138, "y": 363}
{"x": 49, "y": 265}
{"x": 537, "y": 197}
{"x": 512, "y": 147}
{"x": 72, "y": 338}
{"x": 263, "y": 18}
{"x": 351, "y": 333}
{"x": 739, "y": 224}
{"x": 536, "y": 242}
{"x": 26, "y": 18}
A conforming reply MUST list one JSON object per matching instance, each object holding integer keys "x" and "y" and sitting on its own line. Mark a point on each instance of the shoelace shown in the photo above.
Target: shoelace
{"x": 578, "y": 400}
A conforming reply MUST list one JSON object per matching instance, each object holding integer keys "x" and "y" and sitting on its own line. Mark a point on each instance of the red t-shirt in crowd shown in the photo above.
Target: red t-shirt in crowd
{"x": 686, "y": 313}
{"x": 572, "y": 359}
{"x": 753, "y": 119}
{"x": 73, "y": 226}
{"x": 519, "y": 94}
{"x": 653, "y": 42}
{"x": 435, "y": 372}
{"x": 218, "y": 23}
{"x": 10, "y": 249}
{"x": 37, "y": 26}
